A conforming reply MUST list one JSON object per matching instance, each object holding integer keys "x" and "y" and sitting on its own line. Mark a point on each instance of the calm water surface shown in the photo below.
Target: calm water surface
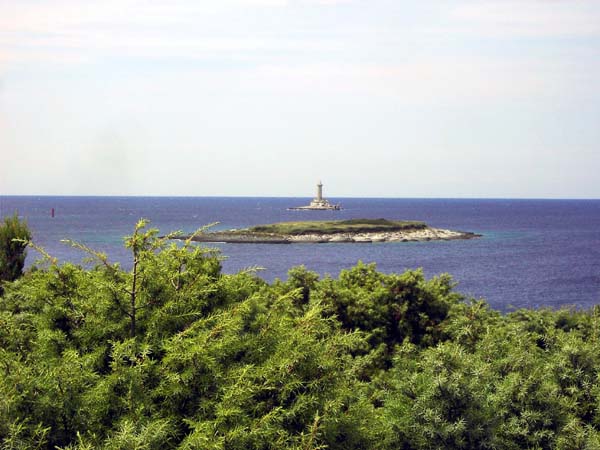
{"x": 533, "y": 253}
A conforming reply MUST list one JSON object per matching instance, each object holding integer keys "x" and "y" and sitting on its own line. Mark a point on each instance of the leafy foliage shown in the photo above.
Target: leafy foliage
{"x": 13, "y": 233}
{"x": 175, "y": 354}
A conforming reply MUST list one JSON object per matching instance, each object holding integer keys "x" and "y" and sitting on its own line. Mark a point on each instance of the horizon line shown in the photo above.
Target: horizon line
{"x": 293, "y": 197}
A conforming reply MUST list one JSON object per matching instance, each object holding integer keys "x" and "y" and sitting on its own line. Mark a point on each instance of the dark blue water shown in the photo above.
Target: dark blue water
{"x": 534, "y": 252}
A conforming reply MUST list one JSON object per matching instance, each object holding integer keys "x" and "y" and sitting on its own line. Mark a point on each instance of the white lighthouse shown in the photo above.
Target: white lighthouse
{"x": 319, "y": 202}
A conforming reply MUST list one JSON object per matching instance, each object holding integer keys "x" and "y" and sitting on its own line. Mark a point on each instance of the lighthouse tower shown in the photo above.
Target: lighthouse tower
{"x": 318, "y": 202}
{"x": 320, "y": 191}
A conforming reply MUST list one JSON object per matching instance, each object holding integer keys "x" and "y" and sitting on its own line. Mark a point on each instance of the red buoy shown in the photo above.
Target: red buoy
{"x": 52, "y": 212}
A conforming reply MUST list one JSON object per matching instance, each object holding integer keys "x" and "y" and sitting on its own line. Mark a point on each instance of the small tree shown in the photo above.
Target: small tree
{"x": 12, "y": 248}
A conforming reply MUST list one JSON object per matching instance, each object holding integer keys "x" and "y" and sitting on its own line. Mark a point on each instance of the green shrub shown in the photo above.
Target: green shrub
{"x": 13, "y": 233}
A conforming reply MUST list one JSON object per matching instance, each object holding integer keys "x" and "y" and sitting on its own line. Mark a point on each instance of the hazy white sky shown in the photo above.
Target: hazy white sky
{"x": 427, "y": 98}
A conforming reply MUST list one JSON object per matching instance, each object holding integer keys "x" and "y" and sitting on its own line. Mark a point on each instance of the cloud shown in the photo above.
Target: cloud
{"x": 386, "y": 61}
{"x": 529, "y": 18}
{"x": 433, "y": 81}
{"x": 53, "y": 15}
{"x": 67, "y": 31}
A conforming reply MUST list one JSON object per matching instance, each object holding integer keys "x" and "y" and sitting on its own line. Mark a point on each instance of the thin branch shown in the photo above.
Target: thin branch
{"x": 200, "y": 230}
{"x": 251, "y": 270}
{"x": 39, "y": 249}
{"x": 95, "y": 254}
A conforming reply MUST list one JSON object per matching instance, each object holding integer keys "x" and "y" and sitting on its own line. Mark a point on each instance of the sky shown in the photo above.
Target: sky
{"x": 377, "y": 98}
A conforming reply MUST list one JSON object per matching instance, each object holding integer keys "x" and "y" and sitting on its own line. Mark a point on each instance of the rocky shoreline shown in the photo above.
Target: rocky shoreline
{"x": 414, "y": 235}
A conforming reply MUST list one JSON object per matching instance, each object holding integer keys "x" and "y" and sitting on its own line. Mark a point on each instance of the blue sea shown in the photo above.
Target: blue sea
{"x": 533, "y": 253}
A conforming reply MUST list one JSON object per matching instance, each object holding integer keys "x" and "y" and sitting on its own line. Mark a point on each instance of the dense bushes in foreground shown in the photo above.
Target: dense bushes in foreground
{"x": 175, "y": 354}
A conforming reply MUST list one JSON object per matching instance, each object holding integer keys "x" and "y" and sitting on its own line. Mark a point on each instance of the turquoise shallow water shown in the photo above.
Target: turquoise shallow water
{"x": 533, "y": 253}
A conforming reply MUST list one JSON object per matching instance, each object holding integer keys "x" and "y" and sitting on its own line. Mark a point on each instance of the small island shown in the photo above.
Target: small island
{"x": 334, "y": 231}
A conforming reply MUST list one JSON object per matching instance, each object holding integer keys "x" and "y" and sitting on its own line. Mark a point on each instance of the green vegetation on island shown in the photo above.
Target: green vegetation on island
{"x": 353, "y": 230}
{"x": 175, "y": 354}
{"x": 338, "y": 226}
